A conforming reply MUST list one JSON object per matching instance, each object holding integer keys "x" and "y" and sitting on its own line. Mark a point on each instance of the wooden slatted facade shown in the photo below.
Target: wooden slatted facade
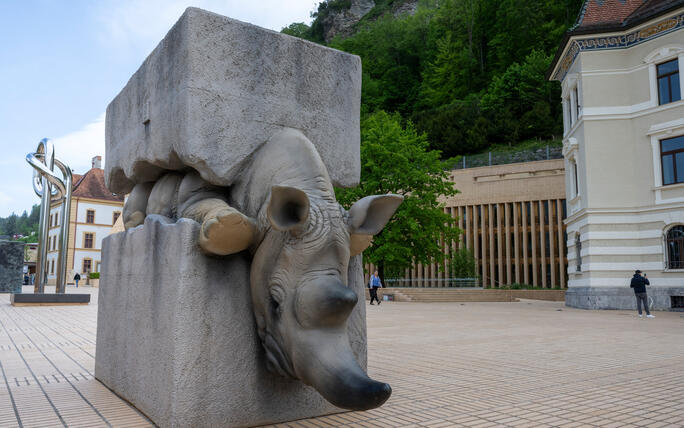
{"x": 512, "y": 221}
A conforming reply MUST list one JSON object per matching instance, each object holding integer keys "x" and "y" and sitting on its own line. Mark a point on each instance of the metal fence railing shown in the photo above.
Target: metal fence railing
{"x": 433, "y": 282}
{"x": 501, "y": 158}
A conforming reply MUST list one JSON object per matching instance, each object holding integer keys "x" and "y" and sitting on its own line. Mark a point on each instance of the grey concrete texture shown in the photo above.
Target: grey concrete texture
{"x": 177, "y": 336}
{"x": 11, "y": 266}
{"x": 619, "y": 297}
{"x": 215, "y": 89}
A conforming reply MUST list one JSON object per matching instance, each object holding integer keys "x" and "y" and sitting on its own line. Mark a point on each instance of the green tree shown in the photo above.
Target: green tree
{"x": 396, "y": 159}
{"x": 462, "y": 264}
{"x": 521, "y": 103}
{"x": 298, "y": 29}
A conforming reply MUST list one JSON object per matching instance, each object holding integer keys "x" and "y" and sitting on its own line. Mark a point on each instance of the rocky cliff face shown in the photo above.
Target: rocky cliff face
{"x": 342, "y": 22}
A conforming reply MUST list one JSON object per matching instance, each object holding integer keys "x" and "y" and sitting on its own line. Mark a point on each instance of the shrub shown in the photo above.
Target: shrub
{"x": 94, "y": 275}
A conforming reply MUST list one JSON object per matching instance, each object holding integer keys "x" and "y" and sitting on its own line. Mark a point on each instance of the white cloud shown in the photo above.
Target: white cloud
{"x": 139, "y": 25}
{"x": 77, "y": 148}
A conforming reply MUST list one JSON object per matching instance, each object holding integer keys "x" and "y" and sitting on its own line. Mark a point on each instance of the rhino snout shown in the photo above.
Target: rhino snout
{"x": 324, "y": 303}
{"x": 327, "y": 363}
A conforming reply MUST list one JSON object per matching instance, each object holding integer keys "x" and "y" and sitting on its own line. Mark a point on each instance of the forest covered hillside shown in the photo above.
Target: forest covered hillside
{"x": 468, "y": 73}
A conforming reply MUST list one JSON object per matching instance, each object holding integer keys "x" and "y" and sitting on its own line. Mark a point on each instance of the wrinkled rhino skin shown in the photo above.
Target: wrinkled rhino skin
{"x": 283, "y": 211}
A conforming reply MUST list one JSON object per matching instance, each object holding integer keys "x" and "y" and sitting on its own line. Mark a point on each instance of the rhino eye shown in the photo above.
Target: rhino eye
{"x": 275, "y": 307}
{"x": 276, "y": 297}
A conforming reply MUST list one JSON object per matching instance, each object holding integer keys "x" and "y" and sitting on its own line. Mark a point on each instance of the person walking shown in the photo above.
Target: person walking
{"x": 76, "y": 278}
{"x": 374, "y": 284}
{"x": 639, "y": 283}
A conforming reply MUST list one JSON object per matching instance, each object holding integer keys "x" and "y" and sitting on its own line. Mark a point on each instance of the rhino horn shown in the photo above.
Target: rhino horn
{"x": 324, "y": 304}
{"x": 333, "y": 371}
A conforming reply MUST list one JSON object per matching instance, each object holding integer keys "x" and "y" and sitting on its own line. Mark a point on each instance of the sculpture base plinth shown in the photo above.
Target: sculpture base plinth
{"x": 48, "y": 299}
{"x": 176, "y": 335}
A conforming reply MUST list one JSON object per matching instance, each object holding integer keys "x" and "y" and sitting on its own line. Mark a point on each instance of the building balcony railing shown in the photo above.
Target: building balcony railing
{"x": 503, "y": 158}
{"x": 433, "y": 282}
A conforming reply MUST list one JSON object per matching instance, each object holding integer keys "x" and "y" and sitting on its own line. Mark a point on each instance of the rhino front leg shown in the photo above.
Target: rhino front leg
{"x": 135, "y": 209}
{"x": 224, "y": 229}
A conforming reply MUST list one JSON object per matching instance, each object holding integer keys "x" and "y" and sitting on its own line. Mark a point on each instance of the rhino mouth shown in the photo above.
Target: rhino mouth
{"x": 276, "y": 361}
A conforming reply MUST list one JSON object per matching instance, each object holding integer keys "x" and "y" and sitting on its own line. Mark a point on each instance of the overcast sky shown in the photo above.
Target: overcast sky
{"x": 62, "y": 62}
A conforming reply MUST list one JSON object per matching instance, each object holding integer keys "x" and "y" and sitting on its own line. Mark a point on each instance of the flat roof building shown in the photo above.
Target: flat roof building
{"x": 512, "y": 221}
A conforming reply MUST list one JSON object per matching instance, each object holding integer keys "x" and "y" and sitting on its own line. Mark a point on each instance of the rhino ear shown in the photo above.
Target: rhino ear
{"x": 288, "y": 209}
{"x": 367, "y": 218}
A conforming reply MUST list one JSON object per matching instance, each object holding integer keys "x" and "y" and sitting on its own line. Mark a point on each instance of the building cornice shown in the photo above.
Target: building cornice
{"x": 608, "y": 38}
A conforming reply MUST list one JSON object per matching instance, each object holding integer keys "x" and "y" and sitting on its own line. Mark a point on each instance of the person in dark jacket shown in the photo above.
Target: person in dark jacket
{"x": 77, "y": 277}
{"x": 639, "y": 283}
{"x": 374, "y": 284}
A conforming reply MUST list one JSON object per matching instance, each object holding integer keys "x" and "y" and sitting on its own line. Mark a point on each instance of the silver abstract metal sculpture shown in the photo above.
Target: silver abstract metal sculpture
{"x": 51, "y": 188}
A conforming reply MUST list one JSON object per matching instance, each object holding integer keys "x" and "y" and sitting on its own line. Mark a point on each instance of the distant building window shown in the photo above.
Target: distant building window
{"x": 87, "y": 265}
{"x": 668, "y": 82}
{"x": 88, "y": 240}
{"x": 578, "y": 253}
{"x": 97, "y": 267}
{"x": 672, "y": 159}
{"x": 577, "y": 103}
{"x": 56, "y": 219}
{"x": 90, "y": 216}
{"x": 674, "y": 241}
{"x": 52, "y": 267}
{"x": 575, "y": 177}
{"x": 115, "y": 216}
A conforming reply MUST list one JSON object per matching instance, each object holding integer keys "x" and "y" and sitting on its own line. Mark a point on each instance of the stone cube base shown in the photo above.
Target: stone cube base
{"x": 176, "y": 335}
{"x": 215, "y": 89}
{"x": 619, "y": 297}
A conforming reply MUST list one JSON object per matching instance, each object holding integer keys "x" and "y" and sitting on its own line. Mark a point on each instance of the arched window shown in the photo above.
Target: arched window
{"x": 674, "y": 241}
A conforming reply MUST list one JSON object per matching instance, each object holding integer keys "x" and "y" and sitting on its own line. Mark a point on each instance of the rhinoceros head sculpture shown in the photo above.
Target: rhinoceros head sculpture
{"x": 300, "y": 295}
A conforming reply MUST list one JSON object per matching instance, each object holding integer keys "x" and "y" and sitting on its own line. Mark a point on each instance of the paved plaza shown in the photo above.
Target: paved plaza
{"x": 529, "y": 363}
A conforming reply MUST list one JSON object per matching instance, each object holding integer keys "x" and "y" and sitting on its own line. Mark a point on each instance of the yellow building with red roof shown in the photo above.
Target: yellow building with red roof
{"x": 94, "y": 210}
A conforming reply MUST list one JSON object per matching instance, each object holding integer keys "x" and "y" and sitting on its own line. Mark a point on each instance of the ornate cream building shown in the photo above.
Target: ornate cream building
{"x": 94, "y": 210}
{"x": 620, "y": 69}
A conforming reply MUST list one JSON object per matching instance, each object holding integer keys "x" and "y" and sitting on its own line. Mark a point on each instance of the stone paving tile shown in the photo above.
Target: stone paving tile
{"x": 526, "y": 364}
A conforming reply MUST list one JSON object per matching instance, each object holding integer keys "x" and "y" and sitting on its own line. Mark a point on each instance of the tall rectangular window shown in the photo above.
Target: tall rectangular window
{"x": 577, "y": 103}
{"x": 88, "y": 240}
{"x": 87, "y": 265}
{"x": 668, "y": 82}
{"x": 90, "y": 216}
{"x": 672, "y": 159}
{"x": 115, "y": 216}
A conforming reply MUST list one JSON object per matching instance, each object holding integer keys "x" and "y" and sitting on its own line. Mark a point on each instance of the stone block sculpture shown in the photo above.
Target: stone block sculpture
{"x": 229, "y": 139}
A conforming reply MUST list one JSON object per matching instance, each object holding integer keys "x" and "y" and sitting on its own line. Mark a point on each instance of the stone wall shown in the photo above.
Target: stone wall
{"x": 11, "y": 265}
